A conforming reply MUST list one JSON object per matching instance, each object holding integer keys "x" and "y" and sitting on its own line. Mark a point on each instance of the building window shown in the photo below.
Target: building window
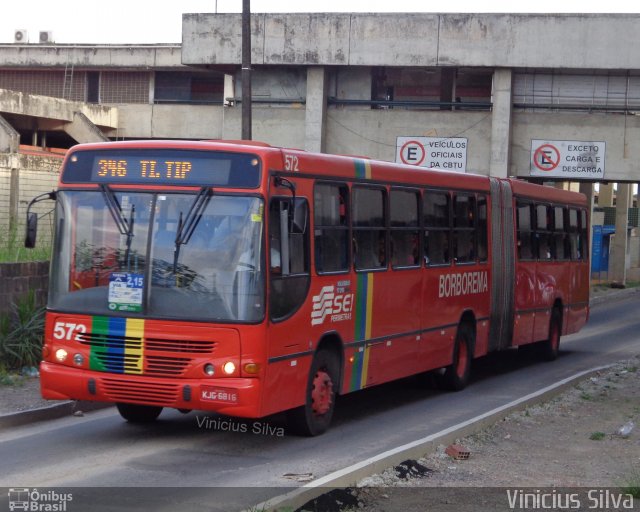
{"x": 181, "y": 87}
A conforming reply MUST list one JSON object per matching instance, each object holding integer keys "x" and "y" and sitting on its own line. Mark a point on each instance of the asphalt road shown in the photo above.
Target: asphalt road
{"x": 204, "y": 463}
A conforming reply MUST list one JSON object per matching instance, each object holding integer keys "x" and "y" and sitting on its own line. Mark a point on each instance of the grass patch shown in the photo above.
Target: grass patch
{"x": 585, "y": 396}
{"x": 631, "y": 484}
{"x": 597, "y": 436}
{"x": 12, "y": 249}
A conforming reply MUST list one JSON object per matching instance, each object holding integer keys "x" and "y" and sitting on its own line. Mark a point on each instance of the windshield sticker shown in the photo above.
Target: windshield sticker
{"x": 125, "y": 292}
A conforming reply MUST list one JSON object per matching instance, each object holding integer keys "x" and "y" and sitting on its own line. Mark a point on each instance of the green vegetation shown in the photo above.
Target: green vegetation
{"x": 585, "y": 396}
{"x": 597, "y": 436}
{"x": 12, "y": 249}
{"x": 631, "y": 483}
{"x": 21, "y": 334}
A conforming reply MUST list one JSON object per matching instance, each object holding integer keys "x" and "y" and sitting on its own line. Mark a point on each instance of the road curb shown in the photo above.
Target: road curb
{"x": 17, "y": 419}
{"x": 618, "y": 294}
{"x": 349, "y": 476}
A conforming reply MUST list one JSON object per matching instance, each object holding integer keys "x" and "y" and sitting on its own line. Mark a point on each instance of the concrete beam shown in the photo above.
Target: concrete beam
{"x": 83, "y": 130}
{"x": 582, "y": 41}
{"x": 12, "y": 102}
{"x": 9, "y": 137}
{"x": 91, "y": 56}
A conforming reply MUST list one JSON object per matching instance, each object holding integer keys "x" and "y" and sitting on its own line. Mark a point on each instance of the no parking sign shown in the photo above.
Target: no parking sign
{"x": 448, "y": 154}
{"x": 568, "y": 159}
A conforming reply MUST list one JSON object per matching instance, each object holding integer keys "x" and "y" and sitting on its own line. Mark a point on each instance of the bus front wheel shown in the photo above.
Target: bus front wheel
{"x": 456, "y": 376}
{"x": 134, "y": 413}
{"x": 314, "y": 417}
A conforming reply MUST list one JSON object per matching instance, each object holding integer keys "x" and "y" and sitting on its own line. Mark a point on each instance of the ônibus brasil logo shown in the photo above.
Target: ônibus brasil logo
{"x": 21, "y": 498}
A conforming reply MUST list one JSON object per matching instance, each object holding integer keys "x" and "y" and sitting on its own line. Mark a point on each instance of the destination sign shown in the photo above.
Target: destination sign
{"x": 163, "y": 167}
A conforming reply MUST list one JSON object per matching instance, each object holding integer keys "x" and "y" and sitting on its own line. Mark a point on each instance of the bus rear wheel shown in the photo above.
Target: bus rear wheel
{"x": 456, "y": 376}
{"x": 314, "y": 417}
{"x": 550, "y": 348}
{"x": 134, "y": 413}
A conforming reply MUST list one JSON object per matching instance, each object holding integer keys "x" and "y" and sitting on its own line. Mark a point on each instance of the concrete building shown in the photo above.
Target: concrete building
{"x": 541, "y": 97}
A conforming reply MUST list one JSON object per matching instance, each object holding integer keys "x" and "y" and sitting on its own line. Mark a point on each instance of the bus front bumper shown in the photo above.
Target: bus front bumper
{"x": 230, "y": 396}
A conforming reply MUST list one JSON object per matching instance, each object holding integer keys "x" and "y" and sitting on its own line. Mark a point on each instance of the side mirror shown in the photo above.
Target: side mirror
{"x": 31, "y": 231}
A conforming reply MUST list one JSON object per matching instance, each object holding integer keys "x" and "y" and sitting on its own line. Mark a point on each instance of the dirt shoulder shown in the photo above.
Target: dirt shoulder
{"x": 570, "y": 441}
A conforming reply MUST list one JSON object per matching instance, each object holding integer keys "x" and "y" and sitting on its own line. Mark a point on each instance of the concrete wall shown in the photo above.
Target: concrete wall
{"x": 416, "y": 39}
{"x": 279, "y": 126}
{"x": 35, "y": 175}
{"x": 170, "y": 121}
{"x": 619, "y": 132}
{"x": 16, "y": 279}
{"x": 12, "y": 102}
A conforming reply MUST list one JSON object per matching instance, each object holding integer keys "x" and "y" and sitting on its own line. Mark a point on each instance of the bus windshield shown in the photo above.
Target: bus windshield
{"x": 192, "y": 256}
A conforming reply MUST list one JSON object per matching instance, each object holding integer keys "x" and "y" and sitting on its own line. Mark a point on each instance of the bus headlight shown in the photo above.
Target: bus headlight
{"x": 229, "y": 368}
{"x": 209, "y": 369}
{"x": 61, "y": 355}
{"x": 78, "y": 359}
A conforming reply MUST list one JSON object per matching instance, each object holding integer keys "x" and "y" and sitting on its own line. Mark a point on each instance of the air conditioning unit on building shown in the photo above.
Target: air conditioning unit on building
{"x": 46, "y": 36}
{"x": 20, "y": 35}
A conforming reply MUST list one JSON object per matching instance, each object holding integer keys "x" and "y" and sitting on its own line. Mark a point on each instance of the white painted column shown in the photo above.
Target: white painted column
{"x": 618, "y": 261}
{"x": 501, "y": 123}
{"x": 316, "y": 109}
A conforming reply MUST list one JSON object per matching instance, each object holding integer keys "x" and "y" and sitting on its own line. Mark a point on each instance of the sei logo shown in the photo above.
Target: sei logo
{"x": 68, "y": 331}
{"x": 337, "y": 306}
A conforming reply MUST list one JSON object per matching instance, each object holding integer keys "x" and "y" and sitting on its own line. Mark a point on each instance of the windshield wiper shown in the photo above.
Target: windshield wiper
{"x": 125, "y": 226}
{"x": 187, "y": 226}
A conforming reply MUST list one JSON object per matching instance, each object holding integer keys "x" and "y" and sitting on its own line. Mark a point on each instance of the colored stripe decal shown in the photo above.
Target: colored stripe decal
{"x": 99, "y": 327}
{"x": 363, "y": 169}
{"x": 117, "y": 345}
{"x": 363, "y": 321}
{"x": 135, "y": 330}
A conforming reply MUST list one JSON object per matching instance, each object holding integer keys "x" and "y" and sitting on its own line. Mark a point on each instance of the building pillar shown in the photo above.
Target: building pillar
{"x": 316, "y": 109}
{"x": 605, "y": 196}
{"x": 14, "y": 200}
{"x": 501, "y": 123}
{"x": 588, "y": 190}
{"x": 618, "y": 261}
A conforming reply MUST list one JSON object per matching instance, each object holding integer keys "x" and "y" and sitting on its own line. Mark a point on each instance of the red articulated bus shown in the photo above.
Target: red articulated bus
{"x": 248, "y": 280}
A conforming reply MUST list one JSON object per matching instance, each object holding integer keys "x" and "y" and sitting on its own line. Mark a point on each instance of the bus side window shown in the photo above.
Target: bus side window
{"x": 584, "y": 235}
{"x": 525, "y": 232}
{"x": 288, "y": 256}
{"x": 437, "y": 227}
{"x": 369, "y": 231}
{"x": 543, "y": 234}
{"x": 464, "y": 221}
{"x": 559, "y": 235}
{"x": 482, "y": 227}
{"x": 405, "y": 240}
{"x": 574, "y": 235}
{"x": 331, "y": 228}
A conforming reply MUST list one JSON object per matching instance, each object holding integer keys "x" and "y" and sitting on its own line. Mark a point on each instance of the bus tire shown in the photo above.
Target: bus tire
{"x": 550, "y": 348}
{"x": 313, "y": 418}
{"x": 456, "y": 376}
{"x": 135, "y": 413}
